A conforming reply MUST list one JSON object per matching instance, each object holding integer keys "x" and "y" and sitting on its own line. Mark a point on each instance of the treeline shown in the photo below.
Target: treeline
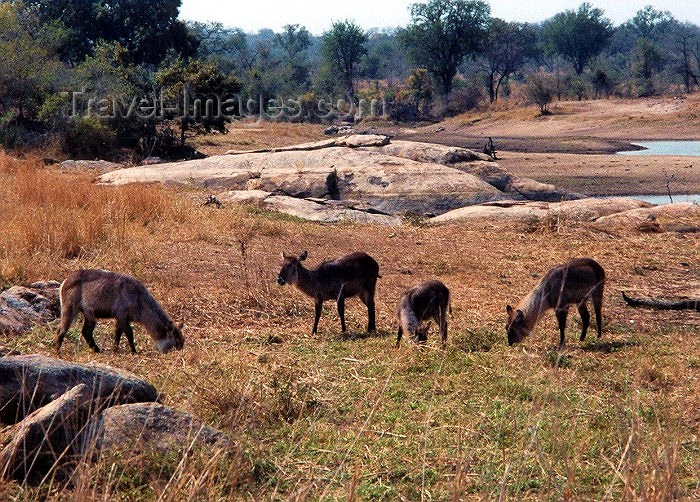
{"x": 94, "y": 76}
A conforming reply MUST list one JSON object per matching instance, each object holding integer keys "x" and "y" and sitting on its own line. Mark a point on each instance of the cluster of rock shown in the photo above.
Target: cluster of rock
{"x": 21, "y": 307}
{"x": 364, "y": 178}
{"x": 62, "y": 414}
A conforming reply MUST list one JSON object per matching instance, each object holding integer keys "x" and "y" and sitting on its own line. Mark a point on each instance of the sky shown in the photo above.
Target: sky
{"x": 317, "y": 17}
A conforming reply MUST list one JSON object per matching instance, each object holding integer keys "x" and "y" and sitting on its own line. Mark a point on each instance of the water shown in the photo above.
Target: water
{"x": 662, "y": 199}
{"x": 676, "y": 148}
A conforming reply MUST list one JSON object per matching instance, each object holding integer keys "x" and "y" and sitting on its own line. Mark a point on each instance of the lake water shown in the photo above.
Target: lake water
{"x": 662, "y": 199}
{"x": 691, "y": 148}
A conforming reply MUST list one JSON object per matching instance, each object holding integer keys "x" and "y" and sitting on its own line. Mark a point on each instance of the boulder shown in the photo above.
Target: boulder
{"x": 48, "y": 439}
{"x": 588, "y": 209}
{"x": 153, "y": 427}
{"x": 670, "y": 214}
{"x": 32, "y": 381}
{"x": 21, "y": 307}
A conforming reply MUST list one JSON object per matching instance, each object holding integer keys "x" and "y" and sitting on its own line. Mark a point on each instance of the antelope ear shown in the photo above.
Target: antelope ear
{"x": 519, "y": 316}
{"x": 284, "y": 256}
{"x": 303, "y": 255}
{"x": 509, "y": 310}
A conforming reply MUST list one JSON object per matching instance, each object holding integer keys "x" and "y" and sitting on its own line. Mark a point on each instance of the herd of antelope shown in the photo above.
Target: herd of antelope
{"x": 100, "y": 294}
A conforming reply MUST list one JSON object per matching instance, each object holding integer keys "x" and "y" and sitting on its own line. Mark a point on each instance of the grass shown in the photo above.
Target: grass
{"x": 350, "y": 417}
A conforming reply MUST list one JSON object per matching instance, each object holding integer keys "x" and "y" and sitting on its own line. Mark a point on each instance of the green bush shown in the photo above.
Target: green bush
{"x": 88, "y": 138}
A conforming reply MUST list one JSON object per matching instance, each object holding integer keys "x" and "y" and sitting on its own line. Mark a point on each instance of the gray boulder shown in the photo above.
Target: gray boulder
{"x": 153, "y": 427}
{"x": 21, "y": 307}
{"x": 48, "y": 439}
{"x": 32, "y": 381}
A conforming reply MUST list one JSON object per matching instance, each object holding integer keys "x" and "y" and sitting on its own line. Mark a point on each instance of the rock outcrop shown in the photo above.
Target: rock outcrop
{"x": 339, "y": 178}
{"x": 32, "y": 381}
{"x": 669, "y": 217}
{"x": 588, "y": 209}
{"x": 21, "y": 307}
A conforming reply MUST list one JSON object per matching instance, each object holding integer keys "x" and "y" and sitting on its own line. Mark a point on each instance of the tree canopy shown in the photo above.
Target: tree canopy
{"x": 146, "y": 29}
{"x": 442, "y": 33}
{"x": 577, "y": 35}
{"x": 343, "y": 47}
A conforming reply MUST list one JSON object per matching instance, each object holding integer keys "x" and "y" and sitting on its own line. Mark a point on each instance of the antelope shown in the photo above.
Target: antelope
{"x": 101, "y": 294}
{"x": 574, "y": 282}
{"x": 350, "y": 275}
{"x": 428, "y": 300}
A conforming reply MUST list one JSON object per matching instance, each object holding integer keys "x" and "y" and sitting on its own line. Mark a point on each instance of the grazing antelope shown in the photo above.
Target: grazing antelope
{"x": 428, "y": 300}
{"x": 354, "y": 274}
{"x": 570, "y": 283}
{"x": 100, "y": 294}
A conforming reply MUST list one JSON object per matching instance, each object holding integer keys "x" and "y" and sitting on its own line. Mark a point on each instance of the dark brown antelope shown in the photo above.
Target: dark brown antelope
{"x": 100, "y": 294}
{"x": 351, "y": 275}
{"x": 428, "y": 300}
{"x": 574, "y": 282}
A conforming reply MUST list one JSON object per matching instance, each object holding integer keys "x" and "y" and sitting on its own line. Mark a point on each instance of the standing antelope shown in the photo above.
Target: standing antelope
{"x": 100, "y": 294}
{"x": 428, "y": 300}
{"x": 570, "y": 283}
{"x": 354, "y": 274}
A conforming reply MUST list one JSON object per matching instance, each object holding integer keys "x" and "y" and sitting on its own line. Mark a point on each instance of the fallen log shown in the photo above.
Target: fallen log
{"x": 685, "y": 304}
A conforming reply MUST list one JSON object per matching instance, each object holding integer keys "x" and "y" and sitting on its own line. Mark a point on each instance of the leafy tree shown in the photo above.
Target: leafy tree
{"x": 204, "y": 87}
{"x": 687, "y": 40}
{"x": 647, "y": 61}
{"x": 30, "y": 66}
{"x": 507, "y": 47}
{"x": 651, "y": 24}
{"x": 146, "y": 29}
{"x": 442, "y": 33}
{"x": 294, "y": 42}
{"x": 577, "y": 35}
{"x": 343, "y": 47}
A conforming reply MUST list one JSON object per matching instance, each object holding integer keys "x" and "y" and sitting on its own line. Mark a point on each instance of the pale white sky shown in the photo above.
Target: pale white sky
{"x": 316, "y": 16}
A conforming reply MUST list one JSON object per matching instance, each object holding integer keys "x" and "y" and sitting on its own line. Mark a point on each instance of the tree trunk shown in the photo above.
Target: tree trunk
{"x": 686, "y": 304}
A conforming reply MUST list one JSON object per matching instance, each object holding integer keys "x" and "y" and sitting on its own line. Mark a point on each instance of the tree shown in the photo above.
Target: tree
{"x": 508, "y": 45}
{"x": 577, "y": 35}
{"x": 294, "y": 42}
{"x": 28, "y": 52}
{"x": 146, "y": 29}
{"x": 646, "y": 62}
{"x": 204, "y": 87}
{"x": 442, "y": 33}
{"x": 342, "y": 48}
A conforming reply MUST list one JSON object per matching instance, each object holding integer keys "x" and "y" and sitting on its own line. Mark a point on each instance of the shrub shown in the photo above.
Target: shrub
{"x": 540, "y": 89}
{"x": 88, "y": 138}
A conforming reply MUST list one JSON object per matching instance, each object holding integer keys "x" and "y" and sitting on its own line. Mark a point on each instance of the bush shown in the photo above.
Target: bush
{"x": 88, "y": 138}
{"x": 462, "y": 100}
{"x": 540, "y": 89}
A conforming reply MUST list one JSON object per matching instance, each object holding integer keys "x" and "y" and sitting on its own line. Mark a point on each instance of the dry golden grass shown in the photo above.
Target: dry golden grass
{"x": 334, "y": 416}
{"x": 251, "y": 135}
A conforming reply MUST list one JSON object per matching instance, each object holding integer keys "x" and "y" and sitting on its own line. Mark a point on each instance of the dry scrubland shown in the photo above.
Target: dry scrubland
{"x": 337, "y": 417}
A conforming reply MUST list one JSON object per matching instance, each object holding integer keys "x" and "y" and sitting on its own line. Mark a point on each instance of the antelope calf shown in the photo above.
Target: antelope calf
{"x": 351, "y": 275}
{"x": 574, "y": 282}
{"x": 428, "y": 300}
